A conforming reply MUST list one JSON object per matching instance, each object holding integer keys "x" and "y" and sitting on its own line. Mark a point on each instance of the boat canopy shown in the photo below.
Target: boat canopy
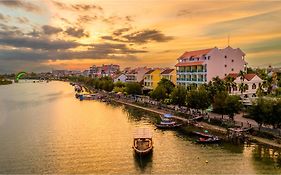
{"x": 168, "y": 115}
{"x": 142, "y": 133}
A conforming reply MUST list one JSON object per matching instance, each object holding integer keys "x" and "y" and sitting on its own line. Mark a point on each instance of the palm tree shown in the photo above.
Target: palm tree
{"x": 229, "y": 83}
{"x": 242, "y": 88}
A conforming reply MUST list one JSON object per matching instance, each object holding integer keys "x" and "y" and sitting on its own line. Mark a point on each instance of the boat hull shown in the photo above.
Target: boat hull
{"x": 143, "y": 152}
{"x": 168, "y": 126}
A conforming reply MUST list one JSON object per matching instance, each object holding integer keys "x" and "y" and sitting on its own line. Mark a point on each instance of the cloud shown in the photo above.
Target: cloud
{"x": 82, "y": 19}
{"x": 121, "y": 31}
{"x": 184, "y": 12}
{"x": 98, "y": 51}
{"x": 49, "y": 30}
{"x": 264, "y": 46}
{"x": 77, "y": 7}
{"x": 27, "y": 6}
{"x": 247, "y": 24}
{"x": 78, "y": 33}
{"x": 138, "y": 37}
{"x": 86, "y": 7}
{"x": 9, "y": 39}
{"x": 4, "y": 18}
{"x": 22, "y": 20}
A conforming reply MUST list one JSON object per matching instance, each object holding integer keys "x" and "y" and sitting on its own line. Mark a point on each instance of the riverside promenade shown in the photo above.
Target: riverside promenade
{"x": 202, "y": 124}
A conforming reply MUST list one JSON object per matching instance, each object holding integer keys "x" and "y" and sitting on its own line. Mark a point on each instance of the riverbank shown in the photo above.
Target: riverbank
{"x": 5, "y": 82}
{"x": 202, "y": 125}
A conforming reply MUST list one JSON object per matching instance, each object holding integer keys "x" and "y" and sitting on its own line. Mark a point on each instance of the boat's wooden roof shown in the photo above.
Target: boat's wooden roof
{"x": 142, "y": 133}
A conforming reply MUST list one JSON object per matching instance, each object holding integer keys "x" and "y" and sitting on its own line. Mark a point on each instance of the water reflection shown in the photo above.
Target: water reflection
{"x": 144, "y": 163}
{"x": 44, "y": 129}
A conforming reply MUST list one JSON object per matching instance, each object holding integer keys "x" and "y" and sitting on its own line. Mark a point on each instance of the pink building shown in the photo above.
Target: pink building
{"x": 200, "y": 66}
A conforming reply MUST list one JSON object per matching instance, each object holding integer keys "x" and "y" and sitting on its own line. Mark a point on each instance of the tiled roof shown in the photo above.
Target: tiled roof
{"x": 194, "y": 63}
{"x": 150, "y": 71}
{"x": 195, "y": 53}
{"x": 167, "y": 71}
{"x": 249, "y": 76}
{"x": 233, "y": 75}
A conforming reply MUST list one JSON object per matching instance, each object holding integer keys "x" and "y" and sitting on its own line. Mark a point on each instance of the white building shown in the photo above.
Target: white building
{"x": 251, "y": 81}
{"x": 137, "y": 74}
{"x": 120, "y": 77}
{"x": 201, "y": 66}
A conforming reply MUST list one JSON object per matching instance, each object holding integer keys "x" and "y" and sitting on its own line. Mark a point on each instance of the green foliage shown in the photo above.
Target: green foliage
{"x": 261, "y": 73}
{"x": 119, "y": 84}
{"x": 219, "y": 103}
{"x": 178, "y": 96}
{"x": 233, "y": 105}
{"x": 133, "y": 88}
{"x": 159, "y": 93}
{"x": 216, "y": 86}
{"x": 167, "y": 84}
{"x": 198, "y": 99}
{"x": 119, "y": 89}
{"x": 261, "y": 111}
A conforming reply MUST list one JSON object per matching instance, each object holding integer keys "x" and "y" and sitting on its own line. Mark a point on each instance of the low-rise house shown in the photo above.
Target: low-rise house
{"x": 137, "y": 74}
{"x": 169, "y": 74}
{"x": 151, "y": 78}
{"x": 251, "y": 82}
{"x": 119, "y": 77}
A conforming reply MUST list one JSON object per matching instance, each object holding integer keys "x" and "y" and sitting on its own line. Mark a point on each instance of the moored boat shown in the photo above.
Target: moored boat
{"x": 143, "y": 144}
{"x": 168, "y": 124}
{"x": 214, "y": 139}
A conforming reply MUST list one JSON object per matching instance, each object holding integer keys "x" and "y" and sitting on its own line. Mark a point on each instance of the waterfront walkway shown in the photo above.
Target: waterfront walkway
{"x": 202, "y": 124}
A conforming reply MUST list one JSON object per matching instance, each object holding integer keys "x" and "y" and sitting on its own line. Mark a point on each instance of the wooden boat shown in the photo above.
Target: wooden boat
{"x": 143, "y": 144}
{"x": 168, "y": 125}
{"x": 214, "y": 139}
{"x": 202, "y": 134}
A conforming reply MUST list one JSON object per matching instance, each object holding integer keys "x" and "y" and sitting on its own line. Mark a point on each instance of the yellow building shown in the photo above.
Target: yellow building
{"x": 152, "y": 77}
{"x": 170, "y": 74}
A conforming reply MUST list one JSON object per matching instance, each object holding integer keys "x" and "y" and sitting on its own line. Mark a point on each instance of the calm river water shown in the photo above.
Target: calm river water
{"x": 44, "y": 129}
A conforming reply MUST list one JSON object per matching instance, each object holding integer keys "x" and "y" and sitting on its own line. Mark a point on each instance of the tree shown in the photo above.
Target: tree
{"x": 198, "y": 99}
{"x": 159, "y": 93}
{"x": 219, "y": 104}
{"x": 243, "y": 87}
{"x": 232, "y": 106}
{"x": 178, "y": 96}
{"x": 262, "y": 111}
{"x": 229, "y": 83}
{"x": 167, "y": 84}
{"x": 133, "y": 88}
{"x": 119, "y": 84}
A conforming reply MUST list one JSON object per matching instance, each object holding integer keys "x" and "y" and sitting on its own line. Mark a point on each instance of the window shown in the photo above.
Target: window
{"x": 225, "y": 56}
{"x": 235, "y": 88}
{"x": 232, "y": 69}
{"x": 232, "y": 61}
{"x": 254, "y": 86}
{"x": 225, "y": 74}
{"x": 209, "y": 57}
{"x": 225, "y": 65}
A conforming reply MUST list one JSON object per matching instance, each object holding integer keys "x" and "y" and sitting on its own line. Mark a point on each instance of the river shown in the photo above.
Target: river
{"x": 44, "y": 129}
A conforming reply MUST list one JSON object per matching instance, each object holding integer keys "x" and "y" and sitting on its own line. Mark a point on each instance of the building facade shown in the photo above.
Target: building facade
{"x": 169, "y": 74}
{"x": 151, "y": 78}
{"x": 200, "y": 66}
{"x": 136, "y": 75}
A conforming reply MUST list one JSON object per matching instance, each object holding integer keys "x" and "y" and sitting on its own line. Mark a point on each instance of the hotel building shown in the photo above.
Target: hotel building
{"x": 200, "y": 66}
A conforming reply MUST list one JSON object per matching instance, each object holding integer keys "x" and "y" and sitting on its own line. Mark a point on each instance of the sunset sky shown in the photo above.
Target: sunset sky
{"x": 41, "y": 35}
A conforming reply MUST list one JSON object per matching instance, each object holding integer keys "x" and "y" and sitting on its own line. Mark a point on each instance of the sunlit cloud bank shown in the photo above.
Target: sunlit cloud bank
{"x": 50, "y": 34}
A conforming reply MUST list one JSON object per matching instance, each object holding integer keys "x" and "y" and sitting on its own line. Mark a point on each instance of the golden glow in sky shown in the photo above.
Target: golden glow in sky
{"x": 76, "y": 34}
